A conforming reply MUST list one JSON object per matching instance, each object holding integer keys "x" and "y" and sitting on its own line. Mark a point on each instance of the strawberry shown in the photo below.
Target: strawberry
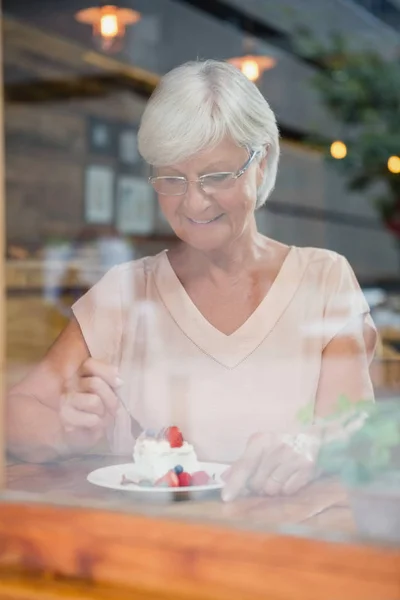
{"x": 200, "y": 478}
{"x": 185, "y": 479}
{"x": 174, "y": 436}
{"x": 170, "y": 479}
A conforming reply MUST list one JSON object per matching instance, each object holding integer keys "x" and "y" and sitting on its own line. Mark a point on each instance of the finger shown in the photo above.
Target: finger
{"x": 105, "y": 371}
{"x": 225, "y": 475}
{"x": 258, "y": 444}
{"x": 270, "y": 461}
{"x": 90, "y": 403}
{"x": 72, "y": 417}
{"x": 298, "y": 480}
{"x": 83, "y": 439}
{"x": 243, "y": 469}
{"x": 274, "y": 484}
{"x": 98, "y": 387}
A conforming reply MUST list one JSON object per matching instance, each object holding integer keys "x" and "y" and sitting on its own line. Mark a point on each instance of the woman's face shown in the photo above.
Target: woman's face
{"x": 211, "y": 221}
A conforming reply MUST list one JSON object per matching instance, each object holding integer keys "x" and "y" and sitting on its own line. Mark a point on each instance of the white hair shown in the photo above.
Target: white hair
{"x": 196, "y": 105}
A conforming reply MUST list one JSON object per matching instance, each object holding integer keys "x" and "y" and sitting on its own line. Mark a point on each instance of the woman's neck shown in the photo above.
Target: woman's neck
{"x": 241, "y": 255}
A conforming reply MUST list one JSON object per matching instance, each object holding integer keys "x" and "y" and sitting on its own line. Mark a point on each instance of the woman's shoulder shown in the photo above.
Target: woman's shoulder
{"x": 330, "y": 274}
{"x": 322, "y": 262}
{"x": 319, "y": 256}
{"x": 325, "y": 270}
{"x": 140, "y": 267}
{"x": 128, "y": 281}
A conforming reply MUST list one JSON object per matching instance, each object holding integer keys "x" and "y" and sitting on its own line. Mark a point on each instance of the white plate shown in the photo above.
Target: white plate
{"x": 110, "y": 477}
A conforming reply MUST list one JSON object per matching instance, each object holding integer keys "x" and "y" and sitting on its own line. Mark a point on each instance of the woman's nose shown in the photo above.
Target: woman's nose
{"x": 195, "y": 198}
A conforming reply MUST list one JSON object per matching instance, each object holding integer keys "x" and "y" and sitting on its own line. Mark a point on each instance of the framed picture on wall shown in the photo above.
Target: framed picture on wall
{"x": 127, "y": 147}
{"x": 135, "y": 205}
{"x": 101, "y": 136}
{"x": 99, "y": 194}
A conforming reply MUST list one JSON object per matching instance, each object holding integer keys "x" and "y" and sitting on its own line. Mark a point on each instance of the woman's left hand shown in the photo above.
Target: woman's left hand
{"x": 272, "y": 466}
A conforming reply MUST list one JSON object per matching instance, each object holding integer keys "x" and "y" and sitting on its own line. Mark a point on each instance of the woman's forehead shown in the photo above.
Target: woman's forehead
{"x": 226, "y": 153}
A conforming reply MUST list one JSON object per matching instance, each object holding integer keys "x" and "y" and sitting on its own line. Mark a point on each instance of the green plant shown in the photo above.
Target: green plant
{"x": 369, "y": 448}
{"x": 361, "y": 92}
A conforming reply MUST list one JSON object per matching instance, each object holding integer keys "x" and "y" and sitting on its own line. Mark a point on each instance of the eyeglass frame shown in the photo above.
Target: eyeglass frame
{"x": 200, "y": 180}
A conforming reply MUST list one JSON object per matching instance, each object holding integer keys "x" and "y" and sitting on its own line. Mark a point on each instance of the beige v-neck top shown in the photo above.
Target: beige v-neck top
{"x": 219, "y": 389}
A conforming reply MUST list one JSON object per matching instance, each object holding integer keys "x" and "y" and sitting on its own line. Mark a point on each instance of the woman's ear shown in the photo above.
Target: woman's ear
{"x": 262, "y": 165}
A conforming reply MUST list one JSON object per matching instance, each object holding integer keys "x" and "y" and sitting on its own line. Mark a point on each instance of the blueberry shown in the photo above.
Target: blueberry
{"x": 151, "y": 433}
{"x": 178, "y": 469}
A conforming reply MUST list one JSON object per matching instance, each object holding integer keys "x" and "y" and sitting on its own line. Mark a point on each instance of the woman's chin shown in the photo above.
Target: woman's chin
{"x": 203, "y": 241}
{"x": 203, "y": 237}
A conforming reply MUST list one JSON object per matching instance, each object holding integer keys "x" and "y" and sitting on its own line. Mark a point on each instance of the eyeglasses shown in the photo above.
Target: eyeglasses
{"x": 211, "y": 183}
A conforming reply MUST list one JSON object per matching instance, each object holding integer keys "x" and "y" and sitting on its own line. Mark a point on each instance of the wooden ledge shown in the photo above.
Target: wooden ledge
{"x": 41, "y": 588}
{"x": 180, "y": 559}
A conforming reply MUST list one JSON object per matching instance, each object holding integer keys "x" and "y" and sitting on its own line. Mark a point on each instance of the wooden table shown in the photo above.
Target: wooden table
{"x": 81, "y": 541}
{"x": 321, "y": 506}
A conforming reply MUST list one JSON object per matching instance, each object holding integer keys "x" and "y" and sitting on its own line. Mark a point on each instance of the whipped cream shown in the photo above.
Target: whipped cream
{"x": 154, "y": 458}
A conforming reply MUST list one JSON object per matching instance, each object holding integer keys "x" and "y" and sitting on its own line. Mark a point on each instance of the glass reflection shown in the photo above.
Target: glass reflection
{"x": 191, "y": 349}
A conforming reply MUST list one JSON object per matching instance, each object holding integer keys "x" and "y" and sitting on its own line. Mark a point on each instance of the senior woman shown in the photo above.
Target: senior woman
{"x": 230, "y": 334}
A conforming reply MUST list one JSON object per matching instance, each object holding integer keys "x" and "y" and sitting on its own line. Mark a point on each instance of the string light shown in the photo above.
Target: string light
{"x": 253, "y": 66}
{"x": 251, "y": 69}
{"x": 108, "y": 24}
{"x": 338, "y": 149}
{"x": 393, "y": 164}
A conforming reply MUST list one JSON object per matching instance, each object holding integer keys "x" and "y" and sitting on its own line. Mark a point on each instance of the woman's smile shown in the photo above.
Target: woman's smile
{"x": 204, "y": 221}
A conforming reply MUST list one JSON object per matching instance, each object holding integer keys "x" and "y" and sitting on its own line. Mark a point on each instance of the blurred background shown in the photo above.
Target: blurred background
{"x": 77, "y": 74}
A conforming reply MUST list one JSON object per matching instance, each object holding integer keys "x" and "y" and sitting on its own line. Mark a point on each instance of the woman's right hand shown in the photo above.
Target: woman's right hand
{"x": 89, "y": 403}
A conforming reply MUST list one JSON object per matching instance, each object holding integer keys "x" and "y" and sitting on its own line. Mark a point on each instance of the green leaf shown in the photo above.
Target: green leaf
{"x": 365, "y": 405}
{"x": 386, "y": 432}
{"x": 355, "y": 474}
{"x": 360, "y": 89}
{"x": 380, "y": 456}
{"x": 332, "y": 457}
{"x": 344, "y": 403}
{"x": 306, "y": 414}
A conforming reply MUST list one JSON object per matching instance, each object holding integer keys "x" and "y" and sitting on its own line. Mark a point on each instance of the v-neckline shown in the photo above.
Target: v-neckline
{"x": 227, "y": 349}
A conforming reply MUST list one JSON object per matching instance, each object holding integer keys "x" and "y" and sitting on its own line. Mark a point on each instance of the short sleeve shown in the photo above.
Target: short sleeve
{"x": 344, "y": 301}
{"x": 99, "y": 315}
